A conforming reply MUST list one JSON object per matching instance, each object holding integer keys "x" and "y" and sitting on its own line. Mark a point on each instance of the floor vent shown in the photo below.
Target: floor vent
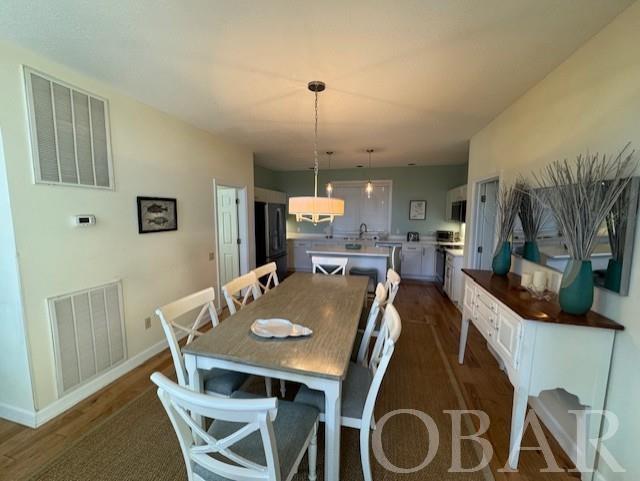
{"x": 88, "y": 334}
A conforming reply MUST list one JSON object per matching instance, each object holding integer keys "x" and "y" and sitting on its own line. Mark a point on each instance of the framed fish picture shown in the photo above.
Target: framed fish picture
{"x": 157, "y": 214}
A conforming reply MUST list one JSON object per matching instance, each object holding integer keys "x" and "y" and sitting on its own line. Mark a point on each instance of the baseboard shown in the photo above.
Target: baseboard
{"x": 18, "y": 415}
{"x": 565, "y": 440}
{"x": 69, "y": 400}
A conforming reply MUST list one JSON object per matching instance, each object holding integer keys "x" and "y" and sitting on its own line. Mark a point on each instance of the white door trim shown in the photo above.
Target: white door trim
{"x": 243, "y": 231}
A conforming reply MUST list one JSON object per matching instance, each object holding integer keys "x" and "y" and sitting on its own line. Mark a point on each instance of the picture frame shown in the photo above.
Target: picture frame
{"x": 157, "y": 214}
{"x": 417, "y": 210}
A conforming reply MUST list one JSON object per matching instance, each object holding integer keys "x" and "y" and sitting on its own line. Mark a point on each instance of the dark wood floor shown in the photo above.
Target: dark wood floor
{"x": 483, "y": 387}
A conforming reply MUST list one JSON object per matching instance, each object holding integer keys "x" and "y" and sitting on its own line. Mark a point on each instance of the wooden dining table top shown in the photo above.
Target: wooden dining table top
{"x": 329, "y": 305}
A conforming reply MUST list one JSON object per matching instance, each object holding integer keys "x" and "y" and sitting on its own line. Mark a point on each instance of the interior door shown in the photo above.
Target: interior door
{"x": 486, "y": 224}
{"x": 228, "y": 249}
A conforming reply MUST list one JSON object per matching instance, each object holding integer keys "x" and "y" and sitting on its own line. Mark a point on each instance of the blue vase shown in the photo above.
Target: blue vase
{"x": 576, "y": 289}
{"x": 613, "y": 277}
{"x": 502, "y": 260}
{"x": 531, "y": 251}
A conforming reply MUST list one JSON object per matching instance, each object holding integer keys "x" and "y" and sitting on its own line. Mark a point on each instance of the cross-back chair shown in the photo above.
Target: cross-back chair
{"x": 330, "y": 265}
{"x": 270, "y": 271}
{"x": 257, "y": 439}
{"x": 233, "y": 291}
{"x": 361, "y": 386}
{"x": 216, "y": 381}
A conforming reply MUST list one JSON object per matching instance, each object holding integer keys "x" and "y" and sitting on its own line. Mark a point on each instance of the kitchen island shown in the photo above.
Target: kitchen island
{"x": 367, "y": 257}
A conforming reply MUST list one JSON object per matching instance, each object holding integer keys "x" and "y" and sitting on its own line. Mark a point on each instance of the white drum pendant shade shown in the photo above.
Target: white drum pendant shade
{"x": 315, "y": 209}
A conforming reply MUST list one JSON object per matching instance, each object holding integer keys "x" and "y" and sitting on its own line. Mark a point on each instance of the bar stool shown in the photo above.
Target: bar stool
{"x": 372, "y": 274}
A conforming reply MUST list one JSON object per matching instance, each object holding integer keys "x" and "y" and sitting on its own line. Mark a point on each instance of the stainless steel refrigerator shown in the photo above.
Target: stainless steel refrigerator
{"x": 271, "y": 235}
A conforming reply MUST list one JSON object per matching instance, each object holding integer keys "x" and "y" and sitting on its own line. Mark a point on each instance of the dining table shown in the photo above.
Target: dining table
{"x": 330, "y": 306}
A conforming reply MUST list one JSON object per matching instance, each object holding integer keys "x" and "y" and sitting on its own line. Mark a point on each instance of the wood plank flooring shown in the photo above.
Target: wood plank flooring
{"x": 483, "y": 386}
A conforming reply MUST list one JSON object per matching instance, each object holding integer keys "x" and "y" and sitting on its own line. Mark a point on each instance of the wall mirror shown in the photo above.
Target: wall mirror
{"x": 613, "y": 254}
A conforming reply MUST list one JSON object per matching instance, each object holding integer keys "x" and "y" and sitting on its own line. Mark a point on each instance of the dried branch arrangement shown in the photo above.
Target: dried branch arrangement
{"x": 508, "y": 203}
{"x": 532, "y": 212}
{"x": 581, "y": 194}
{"x": 617, "y": 224}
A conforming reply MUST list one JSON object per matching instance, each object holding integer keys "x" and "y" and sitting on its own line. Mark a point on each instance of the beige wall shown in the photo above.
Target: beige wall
{"x": 154, "y": 154}
{"x": 590, "y": 102}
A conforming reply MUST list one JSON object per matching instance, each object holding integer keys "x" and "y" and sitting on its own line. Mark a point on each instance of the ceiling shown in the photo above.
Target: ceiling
{"x": 412, "y": 79}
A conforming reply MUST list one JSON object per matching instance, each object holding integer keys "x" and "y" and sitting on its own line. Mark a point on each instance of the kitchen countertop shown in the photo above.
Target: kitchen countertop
{"x": 342, "y": 251}
{"x": 455, "y": 252}
{"x": 559, "y": 252}
{"x": 347, "y": 239}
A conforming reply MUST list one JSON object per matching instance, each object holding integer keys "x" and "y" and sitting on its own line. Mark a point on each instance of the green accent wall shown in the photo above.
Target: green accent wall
{"x": 429, "y": 183}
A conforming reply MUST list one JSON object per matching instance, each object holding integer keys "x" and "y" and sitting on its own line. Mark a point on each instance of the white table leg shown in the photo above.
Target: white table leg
{"x": 464, "y": 332}
{"x": 332, "y": 415}
{"x": 518, "y": 415}
{"x": 195, "y": 380}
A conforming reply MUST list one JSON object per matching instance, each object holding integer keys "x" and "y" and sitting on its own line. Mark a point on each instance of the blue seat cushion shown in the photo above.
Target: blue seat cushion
{"x": 355, "y": 389}
{"x": 291, "y": 427}
{"x": 221, "y": 381}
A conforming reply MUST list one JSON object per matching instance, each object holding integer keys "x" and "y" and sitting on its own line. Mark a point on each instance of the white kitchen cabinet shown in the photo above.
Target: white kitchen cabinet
{"x": 298, "y": 257}
{"x": 412, "y": 261}
{"x": 453, "y": 279}
{"x": 428, "y": 263}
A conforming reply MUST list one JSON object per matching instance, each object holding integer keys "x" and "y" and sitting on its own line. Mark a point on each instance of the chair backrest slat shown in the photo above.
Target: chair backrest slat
{"x": 339, "y": 265}
{"x": 233, "y": 291}
{"x": 169, "y": 315}
{"x": 269, "y": 270}
{"x": 377, "y": 306}
{"x": 197, "y": 445}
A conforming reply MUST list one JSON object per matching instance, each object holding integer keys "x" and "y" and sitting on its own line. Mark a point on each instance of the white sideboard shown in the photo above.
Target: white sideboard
{"x": 541, "y": 348}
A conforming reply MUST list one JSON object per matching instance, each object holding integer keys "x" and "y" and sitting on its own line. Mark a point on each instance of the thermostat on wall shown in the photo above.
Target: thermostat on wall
{"x": 84, "y": 220}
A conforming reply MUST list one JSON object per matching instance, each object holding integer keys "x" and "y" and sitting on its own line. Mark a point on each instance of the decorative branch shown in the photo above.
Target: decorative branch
{"x": 580, "y": 195}
{"x": 532, "y": 212}
{"x": 507, "y": 205}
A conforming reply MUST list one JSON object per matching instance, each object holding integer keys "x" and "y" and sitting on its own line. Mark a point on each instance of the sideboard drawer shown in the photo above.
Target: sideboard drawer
{"x": 484, "y": 298}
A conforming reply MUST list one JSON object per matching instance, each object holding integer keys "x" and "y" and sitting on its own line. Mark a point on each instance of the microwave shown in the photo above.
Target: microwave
{"x": 459, "y": 211}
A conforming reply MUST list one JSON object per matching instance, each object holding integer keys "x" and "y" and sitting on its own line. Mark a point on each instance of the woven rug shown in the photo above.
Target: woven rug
{"x": 137, "y": 443}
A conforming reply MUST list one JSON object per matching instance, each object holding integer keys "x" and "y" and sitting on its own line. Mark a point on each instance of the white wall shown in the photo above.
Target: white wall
{"x": 154, "y": 154}
{"x": 16, "y": 398}
{"x": 590, "y": 102}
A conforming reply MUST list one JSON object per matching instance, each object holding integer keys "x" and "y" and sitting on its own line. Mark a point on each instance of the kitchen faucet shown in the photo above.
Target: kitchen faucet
{"x": 361, "y": 231}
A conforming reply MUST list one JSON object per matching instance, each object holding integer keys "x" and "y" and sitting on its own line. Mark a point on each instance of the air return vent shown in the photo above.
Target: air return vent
{"x": 88, "y": 334}
{"x": 69, "y": 133}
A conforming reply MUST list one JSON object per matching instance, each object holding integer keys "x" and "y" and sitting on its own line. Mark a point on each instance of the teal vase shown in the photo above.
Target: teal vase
{"x": 531, "y": 251}
{"x": 576, "y": 289}
{"x": 502, "y": 260}
{"x": 613, "y": 276}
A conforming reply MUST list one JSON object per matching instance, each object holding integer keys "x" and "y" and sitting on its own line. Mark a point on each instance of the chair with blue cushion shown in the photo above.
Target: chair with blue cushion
{"x": 361, "y": 386}
{"x": 216, "y": 381}
{"x": 257, "y": 439}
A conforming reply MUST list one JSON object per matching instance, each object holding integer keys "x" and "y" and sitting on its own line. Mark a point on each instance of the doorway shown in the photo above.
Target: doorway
{"x": 227, "y": 201}
{"x": 485, "y": 223}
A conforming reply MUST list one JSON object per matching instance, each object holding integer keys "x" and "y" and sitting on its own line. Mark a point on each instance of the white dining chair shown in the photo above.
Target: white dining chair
{"x": 393, "y": 284}
{"x": 233, "y": 291}
{"x": 363, "y": 338}
{"x": 248, "y": 439}
{"x": 216, "y": 381}
{"x": 330, "y": 265}
{"x": 361, "y": 386}
{"x": 269, "y": 270}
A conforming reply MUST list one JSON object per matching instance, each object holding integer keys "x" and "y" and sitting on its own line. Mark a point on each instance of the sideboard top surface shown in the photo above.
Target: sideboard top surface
{"x": 507, "y": 290}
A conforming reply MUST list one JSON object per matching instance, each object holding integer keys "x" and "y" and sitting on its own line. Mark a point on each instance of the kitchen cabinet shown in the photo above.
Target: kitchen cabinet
{"x": 428, "y": 267}
{"x": 298, "y": 258}
{"x": 412, "y": 261}
{"x": 453, "y": 279}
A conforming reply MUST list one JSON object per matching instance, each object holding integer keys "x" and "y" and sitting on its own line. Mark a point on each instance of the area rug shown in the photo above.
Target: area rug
{"x": 137, "y": 443}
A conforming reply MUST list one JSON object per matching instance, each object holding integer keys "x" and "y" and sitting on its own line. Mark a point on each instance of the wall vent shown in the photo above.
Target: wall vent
{"x": 69, "y": 131}
{"x": 88, "y": 334}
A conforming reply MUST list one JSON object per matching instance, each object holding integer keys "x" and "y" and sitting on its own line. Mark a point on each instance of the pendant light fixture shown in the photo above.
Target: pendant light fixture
{"x": 329, "y": 186}
{"x": 315, "y": 209}
{"x": 369, "y": 188}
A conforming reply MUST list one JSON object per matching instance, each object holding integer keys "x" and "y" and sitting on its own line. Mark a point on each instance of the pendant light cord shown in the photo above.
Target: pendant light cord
{"x": 315, "y": 148}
